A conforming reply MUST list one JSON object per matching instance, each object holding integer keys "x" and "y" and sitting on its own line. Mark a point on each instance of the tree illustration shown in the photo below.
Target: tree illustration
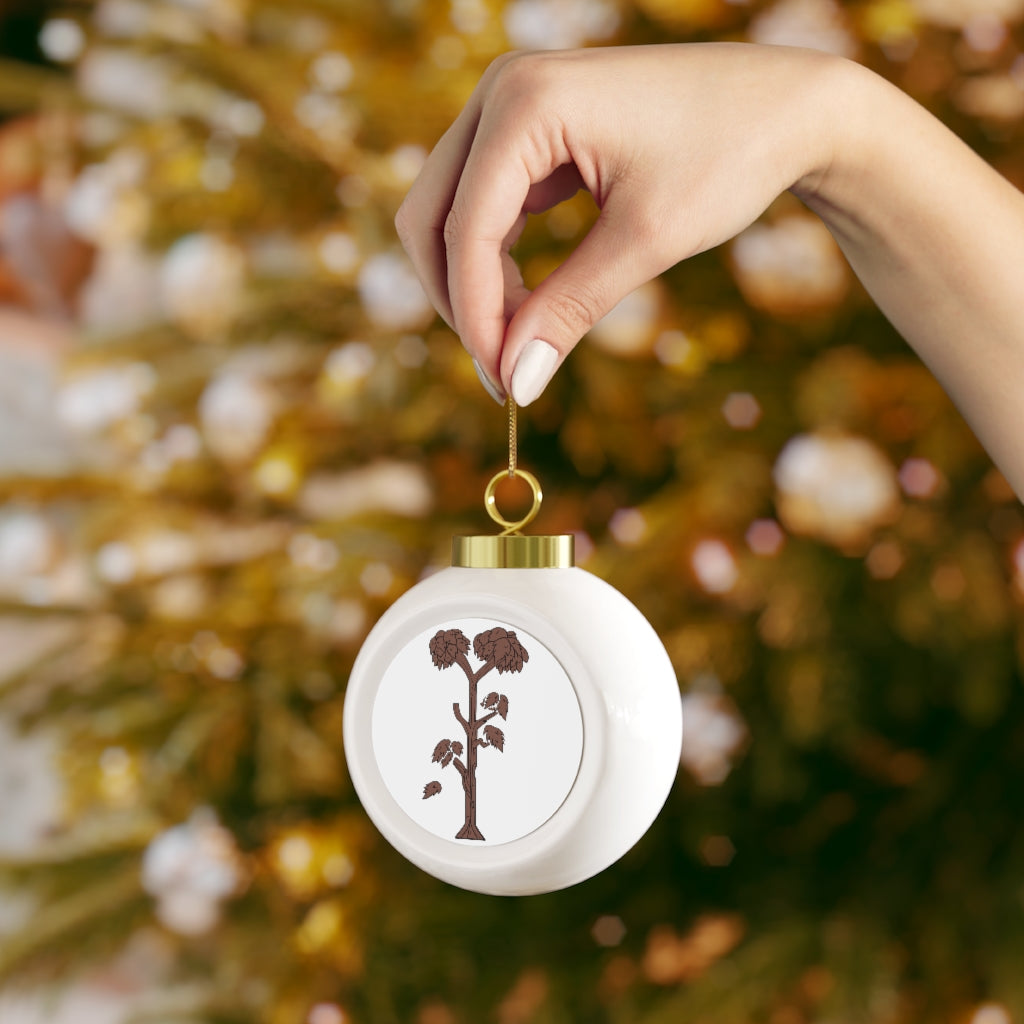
{"x": 497, "y": 648}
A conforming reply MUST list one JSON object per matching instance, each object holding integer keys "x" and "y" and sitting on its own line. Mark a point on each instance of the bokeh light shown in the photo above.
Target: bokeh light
{"x": 235, "y": 431}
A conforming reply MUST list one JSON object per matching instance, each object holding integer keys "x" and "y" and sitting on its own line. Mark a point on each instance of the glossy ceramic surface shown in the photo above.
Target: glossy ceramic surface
{"x": 513, "y": 731}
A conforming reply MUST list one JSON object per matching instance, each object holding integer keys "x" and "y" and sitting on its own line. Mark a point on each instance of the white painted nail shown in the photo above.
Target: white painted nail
{"x": 489, "y": 386}
{"x": 534, "y": 369}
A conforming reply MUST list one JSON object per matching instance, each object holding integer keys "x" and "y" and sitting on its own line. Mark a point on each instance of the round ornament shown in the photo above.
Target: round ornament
{"x": 512, "y": 723}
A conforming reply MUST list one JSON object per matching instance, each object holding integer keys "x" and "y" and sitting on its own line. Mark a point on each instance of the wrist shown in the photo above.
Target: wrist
{"x": 880, "y": 173}
{"x": 844, "y": 104}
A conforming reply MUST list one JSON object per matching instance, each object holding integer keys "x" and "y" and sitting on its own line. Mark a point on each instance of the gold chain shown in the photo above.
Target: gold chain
{"x": 513, "y": 436}
{"x": 512, "y": 527}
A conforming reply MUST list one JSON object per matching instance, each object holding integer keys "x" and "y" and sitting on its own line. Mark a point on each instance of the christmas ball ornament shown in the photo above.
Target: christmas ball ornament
{"x": 512, "y": 723}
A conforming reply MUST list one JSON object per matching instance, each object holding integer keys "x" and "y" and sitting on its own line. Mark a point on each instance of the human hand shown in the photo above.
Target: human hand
{"x": 681, "y": 146}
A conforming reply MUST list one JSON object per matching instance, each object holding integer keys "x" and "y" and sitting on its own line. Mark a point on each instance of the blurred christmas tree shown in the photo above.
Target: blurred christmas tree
{"x": 266, "y": 437}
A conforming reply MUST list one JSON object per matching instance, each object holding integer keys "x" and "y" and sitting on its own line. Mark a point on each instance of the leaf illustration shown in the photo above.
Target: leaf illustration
{"x": 431, "y": 789}
{"x": 503, "y": 707}
{"x": 446, "y": 645}
{"x": 502, "y": 647}
{"x": 441, "y": 749}
{"x": 447, "y": 759}
{"x": 483, "y": 646}
{"x": 490, "y": 700}
{"x": 494, "y": 736}
{"x": 456, "y": 747}
{"x": 509, "y": 654}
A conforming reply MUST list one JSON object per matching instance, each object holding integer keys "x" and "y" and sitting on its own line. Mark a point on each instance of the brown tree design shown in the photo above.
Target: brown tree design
{"x": 498, "y": 648}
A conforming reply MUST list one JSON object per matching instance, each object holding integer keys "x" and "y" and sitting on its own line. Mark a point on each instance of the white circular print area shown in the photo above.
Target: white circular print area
{"x": 490, "y": 773}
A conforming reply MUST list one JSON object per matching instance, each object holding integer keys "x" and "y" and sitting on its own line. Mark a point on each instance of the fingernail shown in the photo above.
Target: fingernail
{"x": 534, "y": 369}
{"x": 489, "y": 386}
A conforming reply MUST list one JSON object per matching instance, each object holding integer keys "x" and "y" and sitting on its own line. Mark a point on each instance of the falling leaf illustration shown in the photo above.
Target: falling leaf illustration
{"x": 431, "y": 789}
{"x": 494, "y": 736}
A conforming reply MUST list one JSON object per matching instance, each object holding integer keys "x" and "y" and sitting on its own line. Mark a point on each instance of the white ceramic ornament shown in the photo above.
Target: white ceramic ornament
{"x": 512, "y": 723}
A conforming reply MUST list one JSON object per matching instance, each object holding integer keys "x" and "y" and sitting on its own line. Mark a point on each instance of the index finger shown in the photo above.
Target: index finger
{"x": 504, "y": 163}
{"x": 421, "y": 217}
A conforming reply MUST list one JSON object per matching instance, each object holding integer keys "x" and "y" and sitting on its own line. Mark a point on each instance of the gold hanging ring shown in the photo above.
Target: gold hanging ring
{"x": 491, "y": 503}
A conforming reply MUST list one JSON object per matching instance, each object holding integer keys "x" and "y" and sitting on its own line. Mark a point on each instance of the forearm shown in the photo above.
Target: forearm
{"x": 937, "y": 238}
{"x": 682, "y": 147}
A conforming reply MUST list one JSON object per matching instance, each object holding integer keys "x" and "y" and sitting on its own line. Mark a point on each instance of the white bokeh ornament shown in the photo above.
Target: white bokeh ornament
{"x": 513, "y": 723}
{"x": 190, "y": 870}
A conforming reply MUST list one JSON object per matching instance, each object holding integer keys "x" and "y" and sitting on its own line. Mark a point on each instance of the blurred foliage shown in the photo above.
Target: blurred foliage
{"x": 282, "y": 439}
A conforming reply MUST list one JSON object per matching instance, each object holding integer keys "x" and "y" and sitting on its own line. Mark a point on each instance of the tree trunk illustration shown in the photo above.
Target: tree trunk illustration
{"x": 499, "y": 649}
{"x": 471, "y": 726}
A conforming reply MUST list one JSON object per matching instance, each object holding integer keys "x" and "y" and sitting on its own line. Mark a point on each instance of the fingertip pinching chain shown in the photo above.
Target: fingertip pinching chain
{"x": 512, "y": 527}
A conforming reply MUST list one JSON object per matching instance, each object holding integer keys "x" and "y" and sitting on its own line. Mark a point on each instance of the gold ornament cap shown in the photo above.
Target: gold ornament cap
{"x": 513, "y": 551}
{"x": 510, "y": 549}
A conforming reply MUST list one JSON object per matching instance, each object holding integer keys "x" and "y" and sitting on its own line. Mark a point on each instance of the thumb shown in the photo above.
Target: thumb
{"x": 608, "y": 264}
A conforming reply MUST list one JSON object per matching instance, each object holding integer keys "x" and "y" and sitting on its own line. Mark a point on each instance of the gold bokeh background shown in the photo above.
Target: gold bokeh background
{"x": 234, "y": 432}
